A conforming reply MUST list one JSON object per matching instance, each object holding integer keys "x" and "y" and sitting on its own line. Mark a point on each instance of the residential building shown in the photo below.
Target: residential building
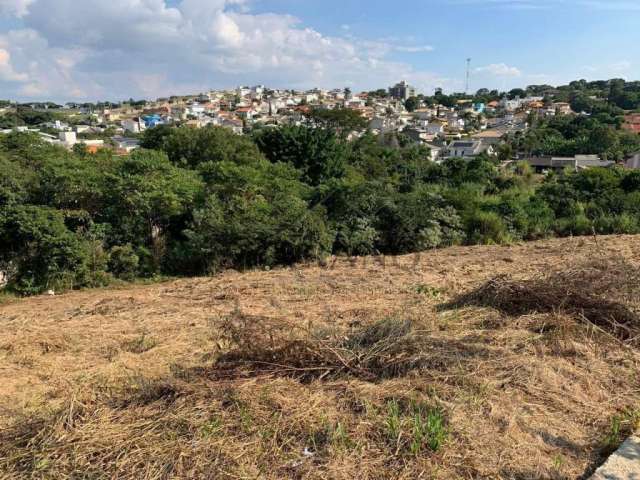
{"x": 479, "y": 107}
{"x": 633, "y": 161}
{"x": 510, "y": 105}
{"x": 92, "y": 146}
{"x": 69, "y": 139}
{"x": 436, "y": 127}
{"x": 124, "y": 145}
{"x": 383, "y": 124}
{"x": 577, "y": 162}
{"x": 133, "y": 125}
{"x": 562, "y": 108}
{"x": 436, "y": 152}
{"x": 423, "y": 114}
{"x": 402, "y": 91}
{"x": 632, "y": 122}
{"x": 153, "y": 120}
{"x": 246, "y": 113}
{"x": 82, "y": 128}
{"x": 493, "y": 136}
{"x": 469, "y": 149}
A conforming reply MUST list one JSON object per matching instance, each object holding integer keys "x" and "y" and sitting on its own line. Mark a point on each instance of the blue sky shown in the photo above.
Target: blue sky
{"x": 92, "y": 49}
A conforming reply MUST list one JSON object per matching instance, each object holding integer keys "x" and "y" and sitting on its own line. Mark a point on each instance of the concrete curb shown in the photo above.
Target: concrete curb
{"x": 624, "y": 464}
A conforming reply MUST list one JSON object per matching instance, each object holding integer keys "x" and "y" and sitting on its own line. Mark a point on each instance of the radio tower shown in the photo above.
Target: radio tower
{"x": 466, "y": 88}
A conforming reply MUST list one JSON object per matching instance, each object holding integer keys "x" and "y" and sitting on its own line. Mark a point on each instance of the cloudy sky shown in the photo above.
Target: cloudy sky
{"x": 115, "y": 49}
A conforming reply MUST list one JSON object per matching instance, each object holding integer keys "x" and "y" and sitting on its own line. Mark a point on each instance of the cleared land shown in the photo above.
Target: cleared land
{"x": 517, "y": 362}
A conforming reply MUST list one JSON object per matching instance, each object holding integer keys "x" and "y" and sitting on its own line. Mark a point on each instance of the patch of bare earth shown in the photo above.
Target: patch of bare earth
{"x": 516, "y": 362}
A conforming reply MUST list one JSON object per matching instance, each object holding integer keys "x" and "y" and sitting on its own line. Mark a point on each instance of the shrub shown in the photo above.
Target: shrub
{"x": 578, "y": 224}
{"x": 486, "y": 228}
{"x": 356, "y": 236}
{"x": 123, "y": 262}
{"x": 43, "y": 253}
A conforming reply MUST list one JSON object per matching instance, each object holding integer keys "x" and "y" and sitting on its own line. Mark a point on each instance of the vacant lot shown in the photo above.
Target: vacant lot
{"x": 513, "y": 362}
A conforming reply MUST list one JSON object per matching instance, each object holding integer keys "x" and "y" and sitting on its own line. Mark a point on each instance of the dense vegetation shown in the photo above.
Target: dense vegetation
{"x": 207, "y": 199}
{"x": 569, "y": 135}
{"x": 610, "y": 96}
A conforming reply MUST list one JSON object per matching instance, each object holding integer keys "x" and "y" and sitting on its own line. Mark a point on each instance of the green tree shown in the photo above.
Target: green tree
{"x": 39, "y": 252}
{"x": 191, "y": 147}
{"x": 253, "y": 215}
{"x": 154, "y": 138}
{"x": 316, "y": 152}
{"x": 147, "y": 196}
{"x": 412, "y": 104}
{"x": 341, "y": 120}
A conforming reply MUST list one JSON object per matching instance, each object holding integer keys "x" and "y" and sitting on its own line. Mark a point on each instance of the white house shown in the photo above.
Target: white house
{"x": 436, "y": 152}
{"x": 468, "y": 149}
{"x": 69, "y": 139}
{"x": 423, "y": 114}
{"x": 511, "y": 105}
{"x": 133, "y": 125}
{"x": 196, "y": 109}
{"x": 82, "y": 128}
{"x": 435, "y": 127}
{"x": 383, "y": 124}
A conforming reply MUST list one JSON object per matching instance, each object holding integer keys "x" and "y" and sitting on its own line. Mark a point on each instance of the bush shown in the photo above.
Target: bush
{"x": 356, "y": 236}
{"x": 44, "y": 254}
{"x": 486, "y": 228}
{"x": 123, "y": 262}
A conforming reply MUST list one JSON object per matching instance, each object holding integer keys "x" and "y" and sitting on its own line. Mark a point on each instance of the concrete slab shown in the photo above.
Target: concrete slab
{"x": 624, "y": 464}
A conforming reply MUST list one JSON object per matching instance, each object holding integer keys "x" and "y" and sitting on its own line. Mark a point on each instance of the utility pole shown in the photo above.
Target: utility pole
{"x": 466, "y": 89}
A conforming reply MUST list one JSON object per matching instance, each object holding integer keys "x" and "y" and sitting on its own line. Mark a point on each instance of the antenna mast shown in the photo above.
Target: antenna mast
{"x": 466, "y": 89}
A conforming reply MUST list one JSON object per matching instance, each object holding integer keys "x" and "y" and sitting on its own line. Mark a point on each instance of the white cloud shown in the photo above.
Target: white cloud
{"x": 16, "y": 8}
{"x": 7, "y": 72}
{"x": 621, "y": 66}
{"x": 620, "y": 5}
{"x": 415, "y": 49}
{"x": 123, "y": 48}
{"x": 499, "y": 70}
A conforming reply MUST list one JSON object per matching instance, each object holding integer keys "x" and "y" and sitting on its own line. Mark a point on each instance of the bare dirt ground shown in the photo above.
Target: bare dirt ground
{"x": 122, "y": 383}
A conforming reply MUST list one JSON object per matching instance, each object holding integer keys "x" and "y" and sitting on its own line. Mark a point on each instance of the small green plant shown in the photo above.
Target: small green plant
{"x": 211, "y": 428}
{"x": 142, "y": 343}
{"x": 340, "y": 437}
{"x": 6, "y": 297}
{"x": 123, "y": 262}
{"x": 428, "y": 290}
{"x": 558, "y": 462}
{"x": 428, "y": 429}
{"x": 393, "y": 421}
{"x": 422, "y": 426}
{"x": 613, "y": 437}
{"x": 246, "y": 419}
{"x": 42, "y": 464}
{"x": 621, "y": 425}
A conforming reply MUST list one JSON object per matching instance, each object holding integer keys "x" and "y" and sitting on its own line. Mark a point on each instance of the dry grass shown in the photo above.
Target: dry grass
{"x": 601, "y": 291}
{"x": 353, "y": 370}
